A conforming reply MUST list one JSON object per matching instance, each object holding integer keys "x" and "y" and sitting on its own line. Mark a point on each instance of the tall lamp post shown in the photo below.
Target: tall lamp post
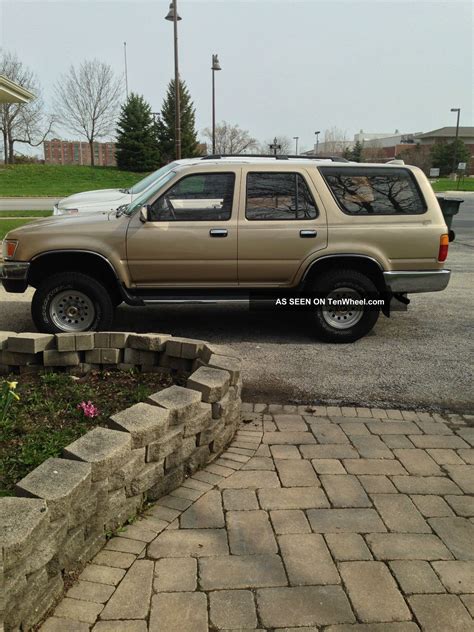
{"x": 455, "y": 157}
{"x": 296, "y": 139}
{"x": 126, "y": 68}
{"x": 317, "y": 142}
{"x": 174, "y": 17}
{"x": 215, "y": 66}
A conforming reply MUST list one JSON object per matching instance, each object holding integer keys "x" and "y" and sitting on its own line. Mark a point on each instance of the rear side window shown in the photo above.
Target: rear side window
{"x": 278, "y": 196}
{"x": 362, "y": 191}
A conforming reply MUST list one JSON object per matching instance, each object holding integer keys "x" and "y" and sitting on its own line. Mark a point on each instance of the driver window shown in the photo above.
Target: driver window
{"x": 200, "y": 197}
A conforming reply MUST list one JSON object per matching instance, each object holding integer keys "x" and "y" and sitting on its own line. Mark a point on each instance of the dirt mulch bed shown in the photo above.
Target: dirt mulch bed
{"x": 48, "y": 415}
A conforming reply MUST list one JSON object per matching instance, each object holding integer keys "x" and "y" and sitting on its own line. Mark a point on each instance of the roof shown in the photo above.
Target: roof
{"x": 447, "y": 132}
{"x": 11, "y": 92}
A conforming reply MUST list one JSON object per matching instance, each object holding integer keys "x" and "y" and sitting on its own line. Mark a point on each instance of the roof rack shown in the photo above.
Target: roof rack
{"x": 277, "y": 157}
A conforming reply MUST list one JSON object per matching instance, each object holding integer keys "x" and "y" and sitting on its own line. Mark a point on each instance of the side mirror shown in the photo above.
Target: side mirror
{"x": 144, "y": 214}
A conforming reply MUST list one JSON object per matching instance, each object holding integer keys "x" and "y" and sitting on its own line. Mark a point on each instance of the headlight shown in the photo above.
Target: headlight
{"x": 9, "y": 248}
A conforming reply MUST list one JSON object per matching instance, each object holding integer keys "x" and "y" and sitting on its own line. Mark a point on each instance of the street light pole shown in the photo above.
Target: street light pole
{"x": 174, "y": 17}
{"x": 458, "y": 110}
{"x": 215, "y": 66}
{"x": 126, "y": 69}
{"x": 296, "y": 138}
{"x": 317, "y": 142}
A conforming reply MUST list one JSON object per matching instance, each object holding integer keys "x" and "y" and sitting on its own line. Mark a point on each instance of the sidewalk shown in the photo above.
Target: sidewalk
{"x": 334, "y": 519}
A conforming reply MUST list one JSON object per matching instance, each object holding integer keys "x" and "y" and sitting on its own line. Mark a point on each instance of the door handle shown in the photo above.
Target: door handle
{"x": 308, "y": 233}
{"x": 218, "y": 232}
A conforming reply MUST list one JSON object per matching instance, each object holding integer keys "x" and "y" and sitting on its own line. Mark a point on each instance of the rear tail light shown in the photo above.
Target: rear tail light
{"x": 443, "y": 247}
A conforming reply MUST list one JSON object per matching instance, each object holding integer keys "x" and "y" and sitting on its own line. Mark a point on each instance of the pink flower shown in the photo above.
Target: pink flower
{"x": 88, "y": 408}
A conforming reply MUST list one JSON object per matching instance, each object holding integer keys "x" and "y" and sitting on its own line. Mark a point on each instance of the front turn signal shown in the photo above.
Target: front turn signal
{"x": 443, "y": 247}
{"x": 9, "y": 248}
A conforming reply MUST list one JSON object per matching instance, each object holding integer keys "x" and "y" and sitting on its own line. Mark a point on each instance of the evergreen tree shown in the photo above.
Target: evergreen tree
{"x": 443, "y": 155}
{"x": 356, "y": 154}
{"x": 137, "y": 143}
{"x": 166, "y": 124}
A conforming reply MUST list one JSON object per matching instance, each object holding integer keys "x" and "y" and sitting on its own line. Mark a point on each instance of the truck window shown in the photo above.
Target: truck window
{"x": 278, "y": 196}
{"x": 374, "y": 191}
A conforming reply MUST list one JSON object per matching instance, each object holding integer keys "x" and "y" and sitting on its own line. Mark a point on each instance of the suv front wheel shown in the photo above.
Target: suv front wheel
{"x": 343, "y": 323}
{"x": 71, "y": 302}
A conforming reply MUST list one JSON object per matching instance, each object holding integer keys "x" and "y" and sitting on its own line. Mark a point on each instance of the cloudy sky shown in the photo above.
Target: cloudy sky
{"x": 288, "y": 67}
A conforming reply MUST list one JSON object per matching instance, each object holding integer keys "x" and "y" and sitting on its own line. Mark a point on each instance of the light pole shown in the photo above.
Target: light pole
{"x": 316, "y": 151}
{"x": 296, "y": 138}
{"x": 126, "y": 69}
{"x": 455, "y": 157}
{"x": 174, "y": 17}
{"x": 215, "y": 66}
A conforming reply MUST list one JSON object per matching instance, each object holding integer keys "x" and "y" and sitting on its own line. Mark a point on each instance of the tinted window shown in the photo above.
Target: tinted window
{"x": 203, "y": 197}
{"x": 278, "y": 196}
{"x": 362, "y": 191}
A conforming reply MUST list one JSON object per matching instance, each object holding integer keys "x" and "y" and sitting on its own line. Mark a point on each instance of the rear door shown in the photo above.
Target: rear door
{"x": 281, "y": 223}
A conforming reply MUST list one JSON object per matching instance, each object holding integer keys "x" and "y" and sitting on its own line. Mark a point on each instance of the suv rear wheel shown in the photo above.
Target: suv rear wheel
{"x": 71, "y": 302}
{"x": 343, "y": 324}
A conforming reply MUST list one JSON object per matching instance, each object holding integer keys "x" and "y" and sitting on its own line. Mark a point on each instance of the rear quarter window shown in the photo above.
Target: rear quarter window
{"x": 382, "y": 191}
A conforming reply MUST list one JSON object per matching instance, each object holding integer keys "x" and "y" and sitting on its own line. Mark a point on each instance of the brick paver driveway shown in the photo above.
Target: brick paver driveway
{"x": 343, "y": 520}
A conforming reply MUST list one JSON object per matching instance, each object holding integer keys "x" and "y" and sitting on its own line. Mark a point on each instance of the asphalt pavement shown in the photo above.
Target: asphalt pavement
{"x": 421, "y": 358}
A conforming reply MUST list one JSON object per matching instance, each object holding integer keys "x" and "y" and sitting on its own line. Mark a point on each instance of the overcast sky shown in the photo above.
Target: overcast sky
{"x": 288, "y": 67}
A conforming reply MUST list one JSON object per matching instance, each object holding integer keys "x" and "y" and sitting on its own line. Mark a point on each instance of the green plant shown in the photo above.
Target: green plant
{"x": 7, "y": 397}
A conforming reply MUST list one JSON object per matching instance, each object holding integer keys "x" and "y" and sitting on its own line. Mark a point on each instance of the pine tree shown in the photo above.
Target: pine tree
{"x": 137, "y": 143}
{"x": 357, "y": 150}
{"x": 166, "y": 124}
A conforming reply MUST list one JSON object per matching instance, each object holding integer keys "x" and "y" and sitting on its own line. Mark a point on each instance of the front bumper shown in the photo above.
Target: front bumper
{"x": 408, "y": 282}
{"x": 14, "y": 270}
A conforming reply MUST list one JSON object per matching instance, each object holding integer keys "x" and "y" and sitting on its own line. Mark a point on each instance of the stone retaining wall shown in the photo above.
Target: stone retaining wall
{"x": 65, "y": 508}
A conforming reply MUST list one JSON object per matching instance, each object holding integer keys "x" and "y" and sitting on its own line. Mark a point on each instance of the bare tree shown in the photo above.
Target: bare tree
{"x": 335, "y": 141}
{"x": 231, "y": 139}
{"x": 88, "y": 99}
{"x": 22, "y": 122}
{"x": 285, "y": 143}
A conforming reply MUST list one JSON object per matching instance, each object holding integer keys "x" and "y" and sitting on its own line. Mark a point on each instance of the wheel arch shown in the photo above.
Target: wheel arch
{"x": 361, "y": 263}
{"x": 86, "y": 262}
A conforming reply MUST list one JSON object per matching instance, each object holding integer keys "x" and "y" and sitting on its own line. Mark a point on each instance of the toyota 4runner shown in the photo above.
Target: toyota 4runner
{"x": 219, "y": 229}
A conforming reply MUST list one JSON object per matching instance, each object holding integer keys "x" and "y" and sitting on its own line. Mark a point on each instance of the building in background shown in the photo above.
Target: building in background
{"x": 67, "y": 152}
{"x": 447, "y": 135}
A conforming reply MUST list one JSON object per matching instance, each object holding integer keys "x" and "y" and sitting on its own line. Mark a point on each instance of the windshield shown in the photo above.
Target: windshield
{"x": 142, "y": 185}
{"x": 142, "y": 199}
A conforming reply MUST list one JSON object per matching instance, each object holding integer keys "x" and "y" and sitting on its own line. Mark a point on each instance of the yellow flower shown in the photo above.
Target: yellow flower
{"x": 12, "y": 385}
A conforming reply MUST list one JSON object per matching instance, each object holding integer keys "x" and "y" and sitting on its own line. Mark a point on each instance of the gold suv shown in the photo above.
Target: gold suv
{"x": 344, "y": 237}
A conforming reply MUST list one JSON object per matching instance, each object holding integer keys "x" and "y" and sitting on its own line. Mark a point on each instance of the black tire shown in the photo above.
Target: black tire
{"x": 97, "y": 293}
{"x": 359, "y": 283}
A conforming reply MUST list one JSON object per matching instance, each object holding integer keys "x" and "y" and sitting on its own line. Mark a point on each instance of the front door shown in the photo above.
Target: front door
{"x": 190, "y": 239}
{"x": 281, "y": 225}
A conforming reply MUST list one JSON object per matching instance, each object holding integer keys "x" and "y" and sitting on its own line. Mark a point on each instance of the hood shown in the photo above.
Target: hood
{"x": 69, "y": 223}
{"x": 91, "y": 197}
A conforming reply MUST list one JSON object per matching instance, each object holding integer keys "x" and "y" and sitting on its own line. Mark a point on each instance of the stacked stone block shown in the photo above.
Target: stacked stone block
{"x": 65, "y": 508}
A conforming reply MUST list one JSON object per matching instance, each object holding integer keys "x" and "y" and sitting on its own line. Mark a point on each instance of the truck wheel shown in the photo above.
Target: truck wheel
{"x": 343, "y": 324}
{"x": 71, "y": 302}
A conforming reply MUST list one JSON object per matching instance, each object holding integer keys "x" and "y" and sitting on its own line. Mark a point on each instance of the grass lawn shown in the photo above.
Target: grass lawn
{"x": 6, "y": 225}
{"x": 61, "y": 180}
{"x": 445, "y": 184}
{"x": 46, "y": 417}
